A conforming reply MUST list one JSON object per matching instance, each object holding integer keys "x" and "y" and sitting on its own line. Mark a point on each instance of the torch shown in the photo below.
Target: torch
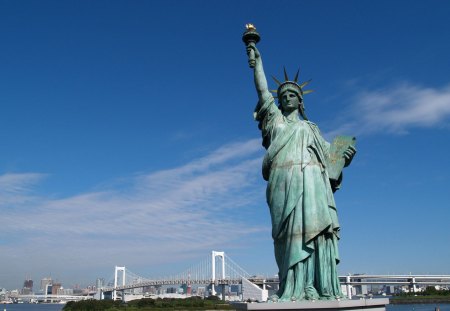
{"x": 250, "y": 38}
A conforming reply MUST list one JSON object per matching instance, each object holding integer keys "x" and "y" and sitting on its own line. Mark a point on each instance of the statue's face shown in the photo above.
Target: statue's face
{"x": 289, "y": 101}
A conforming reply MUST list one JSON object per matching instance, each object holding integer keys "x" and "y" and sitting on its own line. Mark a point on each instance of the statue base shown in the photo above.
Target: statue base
{"x": 378, "y": 304}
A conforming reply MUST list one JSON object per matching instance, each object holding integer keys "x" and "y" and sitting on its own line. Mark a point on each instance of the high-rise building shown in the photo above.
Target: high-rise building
{"x": 27, "y": 287}
{"x": 45, "y": 282}
{"x": 48, "y": 289}
{"x": 55, "y": 288}
{"x": 99, "y": 283}
{"x": 28, "y": 284}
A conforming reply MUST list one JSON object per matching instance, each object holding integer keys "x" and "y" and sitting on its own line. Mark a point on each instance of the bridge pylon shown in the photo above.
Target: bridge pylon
{"x": 221, "y": 255}
{"x": 116, "y": 274}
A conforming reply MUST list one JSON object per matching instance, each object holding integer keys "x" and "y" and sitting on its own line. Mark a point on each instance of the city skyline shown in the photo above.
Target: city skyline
{"x": 128, "y": 138}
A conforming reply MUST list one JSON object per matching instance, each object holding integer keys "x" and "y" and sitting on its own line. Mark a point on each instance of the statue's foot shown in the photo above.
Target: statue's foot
{"x": 273, "y": 298}
{"x": 326, "y": 298}
{"x": 284, "y": 299}
{"x": 311, "y": 293}
{"x": 330, "y": 297}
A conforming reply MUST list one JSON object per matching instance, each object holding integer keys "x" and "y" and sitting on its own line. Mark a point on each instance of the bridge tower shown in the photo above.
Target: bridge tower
{"x": 116, "y": 273}
{"x": 221, "y": 255}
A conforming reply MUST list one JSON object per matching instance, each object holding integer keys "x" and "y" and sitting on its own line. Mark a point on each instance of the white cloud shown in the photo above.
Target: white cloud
{"x": 396, "y": 109}
{"x": 16, "y": 188}
{"x": 178, "y": 212}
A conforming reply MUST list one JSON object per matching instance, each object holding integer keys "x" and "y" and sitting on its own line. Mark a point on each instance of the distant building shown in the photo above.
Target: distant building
{"x": 45, "y": 282}
{"x": 360, "y": 290}
{"x": 150, "y": 290}
{"x": 65, "y": 291}
{"x": 55, "y": 288}
{"x": 48, "y": 289}
{"x": 27, "y": 287}
{"x": 201, "y": 291}
{"x": 159, "y": 290}
{"x": 99, "y": 283}
{"x": 77, "y": 291}
{"x": 2, "y": 294}
{"x": 235, "y": 288}
{"x": 14, "y": 293}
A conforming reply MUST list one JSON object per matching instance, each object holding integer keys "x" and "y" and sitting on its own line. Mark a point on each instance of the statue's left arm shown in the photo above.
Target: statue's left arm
{"x": 322, "y": 145}
{"x": 348, "y": 156}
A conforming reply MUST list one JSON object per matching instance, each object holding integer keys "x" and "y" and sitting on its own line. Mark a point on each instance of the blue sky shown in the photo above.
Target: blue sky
{"x": 127, "y": 133}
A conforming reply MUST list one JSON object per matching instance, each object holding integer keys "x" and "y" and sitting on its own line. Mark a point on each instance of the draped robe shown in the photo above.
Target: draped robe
{"x": 304, "y": 219}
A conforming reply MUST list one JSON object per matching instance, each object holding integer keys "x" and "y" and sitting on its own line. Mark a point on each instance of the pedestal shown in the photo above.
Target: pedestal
{"x": 378, "y": 304}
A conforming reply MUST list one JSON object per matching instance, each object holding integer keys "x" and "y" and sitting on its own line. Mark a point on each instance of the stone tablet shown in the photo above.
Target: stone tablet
{"x": 336, "y": 160}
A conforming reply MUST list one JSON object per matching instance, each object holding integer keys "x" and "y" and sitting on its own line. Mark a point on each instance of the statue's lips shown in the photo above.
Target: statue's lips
{"x": 291, "y": 104}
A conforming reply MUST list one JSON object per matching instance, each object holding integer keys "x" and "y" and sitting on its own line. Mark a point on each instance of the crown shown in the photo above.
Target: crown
{"x": 291, "y": 85}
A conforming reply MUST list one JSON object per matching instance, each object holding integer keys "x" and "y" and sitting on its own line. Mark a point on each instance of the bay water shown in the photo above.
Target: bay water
{"x": 58, "y": 307}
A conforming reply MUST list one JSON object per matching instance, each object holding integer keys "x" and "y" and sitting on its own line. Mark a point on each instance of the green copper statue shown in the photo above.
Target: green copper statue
{"x": 305, "y": 227}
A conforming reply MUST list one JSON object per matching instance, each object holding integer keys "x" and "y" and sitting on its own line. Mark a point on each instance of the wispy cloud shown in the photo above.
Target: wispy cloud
{"x": 177, "y": 212}
{"x": 396, "y": 109}
{"x": 16, "y": 188}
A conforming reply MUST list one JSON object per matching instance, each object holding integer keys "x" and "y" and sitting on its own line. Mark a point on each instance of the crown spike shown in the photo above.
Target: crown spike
{"x": 296, "y": 76}
{"x": 305, "y": 83}
{"x": 307, "y": 92}
{"x": 286, "y": 78}
{"x": 276, "y": 81}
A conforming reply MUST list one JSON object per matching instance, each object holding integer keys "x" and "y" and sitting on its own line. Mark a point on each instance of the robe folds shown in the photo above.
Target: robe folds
{"x": 305, "y": 225}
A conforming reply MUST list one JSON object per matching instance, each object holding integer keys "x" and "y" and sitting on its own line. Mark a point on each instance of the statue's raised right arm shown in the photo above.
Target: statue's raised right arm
{"x": 260, "y": 78}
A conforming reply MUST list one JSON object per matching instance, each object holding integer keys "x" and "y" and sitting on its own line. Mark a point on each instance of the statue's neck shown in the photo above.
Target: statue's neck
{"x": 291, "y": 116}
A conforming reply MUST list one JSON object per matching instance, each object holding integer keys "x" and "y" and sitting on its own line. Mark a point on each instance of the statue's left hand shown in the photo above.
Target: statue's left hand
{"x": 349, "y": 154}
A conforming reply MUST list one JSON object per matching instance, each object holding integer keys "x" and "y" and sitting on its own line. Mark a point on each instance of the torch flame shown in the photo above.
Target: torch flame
{"x": 250, "y": 27}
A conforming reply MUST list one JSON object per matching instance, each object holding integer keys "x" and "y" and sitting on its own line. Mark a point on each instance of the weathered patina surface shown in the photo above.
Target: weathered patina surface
{"x": 305, "y": 227}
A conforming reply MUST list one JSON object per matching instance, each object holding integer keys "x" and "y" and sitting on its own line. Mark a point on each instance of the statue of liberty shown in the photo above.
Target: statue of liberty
{"x": 305, "y": 227}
